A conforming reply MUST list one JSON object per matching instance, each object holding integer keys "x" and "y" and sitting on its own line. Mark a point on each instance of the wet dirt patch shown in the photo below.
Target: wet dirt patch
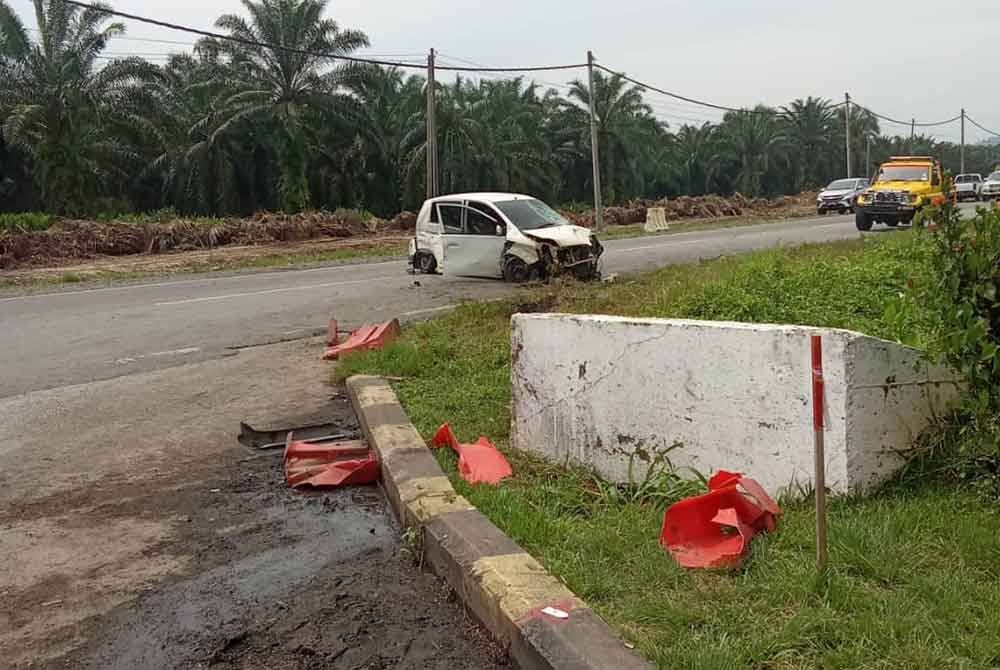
{"x": 280, "y": 579}
{"x": 216, "y": 564}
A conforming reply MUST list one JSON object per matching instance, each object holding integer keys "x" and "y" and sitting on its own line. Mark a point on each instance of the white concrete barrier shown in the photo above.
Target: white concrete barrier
{"x": 656, "y": 220}
{"x": 613, "y": 393}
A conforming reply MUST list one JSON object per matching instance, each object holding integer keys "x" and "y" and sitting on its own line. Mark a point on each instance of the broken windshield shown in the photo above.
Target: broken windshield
{"x": 531, "y": 214}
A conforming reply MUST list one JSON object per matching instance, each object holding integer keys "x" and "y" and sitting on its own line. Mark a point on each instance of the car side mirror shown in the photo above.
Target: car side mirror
{"x": 499, "y": 229}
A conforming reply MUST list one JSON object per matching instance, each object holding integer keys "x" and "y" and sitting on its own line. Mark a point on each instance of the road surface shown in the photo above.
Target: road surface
{"x": 76, "y": 336}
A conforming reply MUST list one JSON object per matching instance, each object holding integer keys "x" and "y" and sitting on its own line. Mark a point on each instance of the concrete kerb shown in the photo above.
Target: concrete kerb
{"x": 504, "y": 586}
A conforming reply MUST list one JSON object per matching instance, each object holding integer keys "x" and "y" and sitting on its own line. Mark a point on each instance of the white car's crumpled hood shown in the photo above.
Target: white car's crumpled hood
{"x": 564, "y": 236}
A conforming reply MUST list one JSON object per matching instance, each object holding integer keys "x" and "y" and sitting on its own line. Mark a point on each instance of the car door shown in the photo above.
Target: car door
{"x": 449, "y": 214}
{"x": 478, "y": 249}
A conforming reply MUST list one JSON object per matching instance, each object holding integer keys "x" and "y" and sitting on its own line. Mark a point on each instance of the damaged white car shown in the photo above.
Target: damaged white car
{"x": 502, "y": 235}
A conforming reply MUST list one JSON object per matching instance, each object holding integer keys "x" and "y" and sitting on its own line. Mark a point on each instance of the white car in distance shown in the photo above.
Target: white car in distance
{"x": 968, "y": 186}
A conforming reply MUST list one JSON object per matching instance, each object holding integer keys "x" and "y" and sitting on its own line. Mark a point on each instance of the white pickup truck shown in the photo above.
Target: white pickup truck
{"x": 968, "y": 187}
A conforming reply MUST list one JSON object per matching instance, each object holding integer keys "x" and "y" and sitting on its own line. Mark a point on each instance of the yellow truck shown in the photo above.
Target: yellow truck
{"x": 903, "y": 186}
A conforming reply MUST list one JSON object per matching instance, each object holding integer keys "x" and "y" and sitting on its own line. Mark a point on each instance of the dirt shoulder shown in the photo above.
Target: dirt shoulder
{"x": 221, "y": 259}
{"x": 137, "y": 533}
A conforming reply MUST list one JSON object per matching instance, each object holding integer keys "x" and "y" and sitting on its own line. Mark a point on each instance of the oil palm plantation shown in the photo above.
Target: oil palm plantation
{"x": 74, "y": 120}
{"x": 281, "y": 63}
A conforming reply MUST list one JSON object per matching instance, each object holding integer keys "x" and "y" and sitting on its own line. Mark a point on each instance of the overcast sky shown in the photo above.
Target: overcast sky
{"x": 916, "y": 58}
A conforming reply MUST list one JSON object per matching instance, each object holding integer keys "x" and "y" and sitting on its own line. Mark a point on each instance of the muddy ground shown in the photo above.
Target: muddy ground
{"x": 137, "y": 533}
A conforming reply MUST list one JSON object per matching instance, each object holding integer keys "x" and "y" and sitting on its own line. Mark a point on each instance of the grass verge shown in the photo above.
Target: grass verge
{"x": 915, "y": 568}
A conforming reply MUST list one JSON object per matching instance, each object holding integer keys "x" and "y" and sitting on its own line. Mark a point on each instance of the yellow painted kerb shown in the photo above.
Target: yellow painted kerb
{"x": 519, "y": 584}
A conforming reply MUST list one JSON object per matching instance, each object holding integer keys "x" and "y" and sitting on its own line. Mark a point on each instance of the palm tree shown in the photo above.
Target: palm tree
{"x": 381, "y": 104}
{"x": 69, "y": 116}
{"x": 286, "y": 85}
{"x": 200, "y": 171}
{"x": 753, "y": 145}
{"x": 696, "y": 153}
{"x": 622, "y": 127}
{"x": 808, "y": 126}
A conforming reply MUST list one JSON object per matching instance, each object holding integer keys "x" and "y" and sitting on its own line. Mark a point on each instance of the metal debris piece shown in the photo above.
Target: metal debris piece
{"x": 308, "y": 432}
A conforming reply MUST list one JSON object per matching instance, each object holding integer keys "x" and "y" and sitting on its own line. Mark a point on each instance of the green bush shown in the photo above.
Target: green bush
{"x": 954, "y": 301}
{"x": 24, "y": 221}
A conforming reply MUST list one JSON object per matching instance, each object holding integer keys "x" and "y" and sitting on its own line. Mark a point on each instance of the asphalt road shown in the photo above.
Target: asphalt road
{"x": 75, "y": 336}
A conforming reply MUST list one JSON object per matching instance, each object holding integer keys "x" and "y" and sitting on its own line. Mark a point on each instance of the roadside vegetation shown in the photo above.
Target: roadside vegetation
{"x": 914, "y": 580}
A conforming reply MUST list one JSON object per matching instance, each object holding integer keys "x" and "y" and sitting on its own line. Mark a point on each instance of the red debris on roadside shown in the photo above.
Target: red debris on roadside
{"x": 364, "y": 338}
{"x": 479, "y": 462}
{"x": 714, "y": 530}
{"x": 329, "y": 464}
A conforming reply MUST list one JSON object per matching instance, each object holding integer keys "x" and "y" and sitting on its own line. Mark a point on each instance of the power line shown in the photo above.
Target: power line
{"x": 677, "y": 96}
{"x": 305, "y": 52}
{"x": 918, "y": 124}
{"x": 982, "y": 128}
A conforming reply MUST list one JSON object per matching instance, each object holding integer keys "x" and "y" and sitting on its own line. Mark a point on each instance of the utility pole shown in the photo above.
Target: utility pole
{"x": 847, "y": 127}
{"x": 431, "y": 142}
{"x": 913, "y": 133}
{"x": 962, "y": 155}
{"x": 594, "y": 151}
{"x": 868, "y": 156}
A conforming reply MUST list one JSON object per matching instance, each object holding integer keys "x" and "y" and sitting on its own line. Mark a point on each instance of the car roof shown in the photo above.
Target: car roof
{"x": 484, "y": 197}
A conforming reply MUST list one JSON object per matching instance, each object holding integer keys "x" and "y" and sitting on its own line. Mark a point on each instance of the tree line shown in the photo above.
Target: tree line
{"x": 234, "y": 126}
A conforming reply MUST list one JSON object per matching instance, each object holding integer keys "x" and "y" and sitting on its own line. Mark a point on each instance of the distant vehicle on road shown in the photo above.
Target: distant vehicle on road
{"x": 839, "y": 195}
{"x": 968, "y": 186}
{"x": 501, "y": 235}
{"x": 903, "y": 186}
{"x": 991, "y": 187}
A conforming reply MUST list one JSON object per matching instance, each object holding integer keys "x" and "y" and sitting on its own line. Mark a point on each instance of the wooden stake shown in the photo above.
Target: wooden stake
{"x": 819, "y": 477}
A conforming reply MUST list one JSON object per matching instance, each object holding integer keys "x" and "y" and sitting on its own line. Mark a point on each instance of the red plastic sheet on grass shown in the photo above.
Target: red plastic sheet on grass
{"x": 364, "y": 338}
{"x": 329, "y": 464}
{"x": 479, "y": 462}
{"x": 714, "y": 530}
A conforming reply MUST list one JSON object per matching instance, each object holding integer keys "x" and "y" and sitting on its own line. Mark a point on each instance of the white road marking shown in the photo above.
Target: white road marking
{"x": 657, "y": 246}
{"x": 170, "y": 352}
{"x": 177, "y": 352}
{"x": 305, "y": 287}
{"x": 428, "y": 310}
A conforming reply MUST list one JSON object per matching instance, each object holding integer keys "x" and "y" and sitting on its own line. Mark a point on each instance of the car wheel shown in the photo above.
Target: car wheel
{"x": 862, "y": 221}
{"x": 515, "y": 270}
{"x": 426, "y": 263}
{"x": 892, "y": 223}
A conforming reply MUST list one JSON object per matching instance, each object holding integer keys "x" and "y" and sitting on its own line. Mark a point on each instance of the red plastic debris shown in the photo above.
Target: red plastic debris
{"x": 714, "y": 530}
{"x": 344, "y": 463}
{"x": 364, "y": 338}
{"x": 479, "y": 462}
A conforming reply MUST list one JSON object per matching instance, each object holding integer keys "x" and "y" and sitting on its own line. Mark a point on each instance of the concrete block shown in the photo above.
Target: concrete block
{"x": 620, "y": 393}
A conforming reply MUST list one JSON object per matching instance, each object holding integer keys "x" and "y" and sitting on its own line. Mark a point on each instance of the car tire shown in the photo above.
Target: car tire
{"x": 892, "y": 223}
{"x": 862, "y": 221}
{"x": 515, "y": 270}
{"x": 426, "y": 263}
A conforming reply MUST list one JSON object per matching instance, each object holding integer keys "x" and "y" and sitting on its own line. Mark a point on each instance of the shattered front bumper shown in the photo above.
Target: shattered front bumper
{"x": 582, "y": 260}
